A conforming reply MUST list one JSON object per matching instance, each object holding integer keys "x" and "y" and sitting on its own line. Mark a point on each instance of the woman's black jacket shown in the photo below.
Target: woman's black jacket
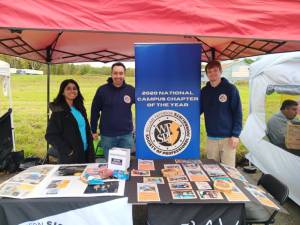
{"x": 64, "y": 135}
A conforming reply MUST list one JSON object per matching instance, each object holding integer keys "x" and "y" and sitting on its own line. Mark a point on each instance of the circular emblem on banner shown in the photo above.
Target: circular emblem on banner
{"x": 222, "y": 98}
{"x": 127, "y": 99}
{"x": 167, "y": 133}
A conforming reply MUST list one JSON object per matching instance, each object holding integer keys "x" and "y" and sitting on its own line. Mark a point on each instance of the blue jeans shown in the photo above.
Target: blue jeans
{"x": 123, "y": 141}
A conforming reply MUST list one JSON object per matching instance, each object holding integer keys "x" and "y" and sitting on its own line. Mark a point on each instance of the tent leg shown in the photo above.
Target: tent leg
{"x": 48, "y": 101}
{"x": 11, "y": 116}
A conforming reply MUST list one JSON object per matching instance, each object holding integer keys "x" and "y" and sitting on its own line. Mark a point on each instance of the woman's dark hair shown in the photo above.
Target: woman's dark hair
{"x": 78, "y": 101}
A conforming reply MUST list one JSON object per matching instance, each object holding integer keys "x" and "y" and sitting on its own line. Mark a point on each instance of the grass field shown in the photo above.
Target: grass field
{"x": 29, "y": 105}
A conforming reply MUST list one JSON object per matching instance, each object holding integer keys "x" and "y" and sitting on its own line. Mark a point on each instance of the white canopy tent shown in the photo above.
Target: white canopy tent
{"x": 278, "y": 69}
{"x": 5, "y": 77}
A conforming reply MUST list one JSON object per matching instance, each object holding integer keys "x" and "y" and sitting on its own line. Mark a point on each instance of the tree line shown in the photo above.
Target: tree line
{"x": 60, "y": 69}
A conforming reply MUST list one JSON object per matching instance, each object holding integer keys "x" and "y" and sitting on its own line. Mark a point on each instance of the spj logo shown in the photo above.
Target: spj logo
{"x": 167, "y": 133}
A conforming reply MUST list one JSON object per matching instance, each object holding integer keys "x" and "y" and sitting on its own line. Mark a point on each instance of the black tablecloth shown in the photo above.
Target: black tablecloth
{"x": 167, "y": 211}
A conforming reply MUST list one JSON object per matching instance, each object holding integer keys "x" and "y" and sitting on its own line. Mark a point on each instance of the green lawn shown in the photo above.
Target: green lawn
{"x": 29, "y": 105}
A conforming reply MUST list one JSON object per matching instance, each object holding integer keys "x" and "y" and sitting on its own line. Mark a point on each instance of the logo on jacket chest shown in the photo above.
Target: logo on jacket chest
{"x": 127, "y": 99}
{"x": 223, "y": 98}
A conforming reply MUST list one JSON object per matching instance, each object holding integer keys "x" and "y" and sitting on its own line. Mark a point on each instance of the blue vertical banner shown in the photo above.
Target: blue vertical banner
{"x": 167, "y": 88}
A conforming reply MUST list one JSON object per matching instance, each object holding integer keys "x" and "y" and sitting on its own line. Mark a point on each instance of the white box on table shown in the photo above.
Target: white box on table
{"x": 119, "y": 158}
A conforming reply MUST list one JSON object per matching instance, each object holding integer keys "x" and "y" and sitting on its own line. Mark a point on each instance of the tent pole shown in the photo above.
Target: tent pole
{"x": 11, "y": 115}
{"x": 213, "y": 54}
{"x": 48, "y": 101}
{"x": 49, "y": 59}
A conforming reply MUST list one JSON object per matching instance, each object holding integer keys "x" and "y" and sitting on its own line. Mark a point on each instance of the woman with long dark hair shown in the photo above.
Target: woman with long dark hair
{"x": 68, "y": 130}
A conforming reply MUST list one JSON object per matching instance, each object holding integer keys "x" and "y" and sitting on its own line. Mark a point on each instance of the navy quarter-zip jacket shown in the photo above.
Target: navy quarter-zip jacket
{"x": 114, "y": 104}
{"x": 222, "y": 109}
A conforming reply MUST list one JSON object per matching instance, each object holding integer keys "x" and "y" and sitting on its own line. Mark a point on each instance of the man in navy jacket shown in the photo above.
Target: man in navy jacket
{"x": 221, "y": 105}
{"x": 114, "y": 100}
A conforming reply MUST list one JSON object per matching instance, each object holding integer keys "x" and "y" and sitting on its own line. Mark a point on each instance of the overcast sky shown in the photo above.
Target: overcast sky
{"x": 99, "y": 64}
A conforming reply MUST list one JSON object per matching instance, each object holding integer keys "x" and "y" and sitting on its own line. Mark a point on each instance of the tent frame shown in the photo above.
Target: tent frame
{"x": 10, "y": 107}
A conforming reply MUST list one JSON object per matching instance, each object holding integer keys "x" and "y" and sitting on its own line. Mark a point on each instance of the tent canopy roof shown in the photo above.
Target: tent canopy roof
{"x": 77, "y": 31}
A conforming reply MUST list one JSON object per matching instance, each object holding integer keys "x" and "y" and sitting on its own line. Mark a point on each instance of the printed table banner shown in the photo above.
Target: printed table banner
{"x": 196, "y": 214}
{"x": 168, "y": 78}
{"x": 66, "y": 211}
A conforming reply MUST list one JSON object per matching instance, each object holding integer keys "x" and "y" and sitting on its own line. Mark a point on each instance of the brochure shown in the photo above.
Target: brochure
{"x": 197, "y": 175}
{"x": 236, "y": 195}
{"x": 140, "y": 173}
{"x": 183, "y": 194}
{"x": 155, "y": 180}
{"x": 145, "y": 164}
{"x": 180, "y": 185}
{"x": 147, "y": 192}
{"x": 203, "y": 186}
{"x": 214, "y": 170}
{"x": 180, "y": 178}
{"x": 209, "y": 194}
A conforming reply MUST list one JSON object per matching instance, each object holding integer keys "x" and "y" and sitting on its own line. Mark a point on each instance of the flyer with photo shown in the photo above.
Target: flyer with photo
{"x": 214, "y": 170}
{"x": 16, "y": 190}
{"x": 180, "y": 178}
{"x": 183, "y": 194}
{"x": 145, "y": 164}
{"x": 209, "y": 194}
{"x": 42, "y": 169}
{"x": 234, "y": 173}
{"x": 96, "y": 171}
{"x": 262, "y": 198}
{"x": 180, "y": 185}
{"x": 203, "y": 186}
{"x": 147, "y": 192}
{"x": 108, "y": 187}
{"x": 221, "y": 178}
{"x": 140, "y": 173}
{"x": 197, "y": 175}
{"x": 57, "y": 187}
{"x": 155, "y": 180}
{"x": 28, "y": 178}
{"x": 183, "y": 161}
{"x": 57, "y": 181}
{"x": 23, "y": 184}
{"x": 174, "y": 166}
{"x": 236, "y": 195}
{"x": 252, "y": 186}
{"x": 192, "y": 166}
{"x": 70, "y": 170}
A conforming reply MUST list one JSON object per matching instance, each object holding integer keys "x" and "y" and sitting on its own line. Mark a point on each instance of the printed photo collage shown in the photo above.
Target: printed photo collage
{"x": 60, "y": 181}
{"x": 186, "y": 179}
